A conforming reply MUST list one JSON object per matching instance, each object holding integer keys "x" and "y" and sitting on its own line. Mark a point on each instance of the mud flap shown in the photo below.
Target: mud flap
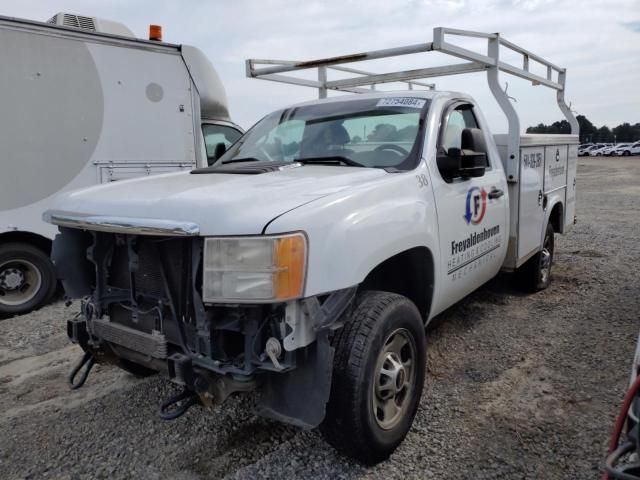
{"x": 299, "y": 397}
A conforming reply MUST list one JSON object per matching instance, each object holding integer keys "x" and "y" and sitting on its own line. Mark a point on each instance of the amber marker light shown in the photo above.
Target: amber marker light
{"x": 155, "y": 33}
{"x": 290, "y": 257}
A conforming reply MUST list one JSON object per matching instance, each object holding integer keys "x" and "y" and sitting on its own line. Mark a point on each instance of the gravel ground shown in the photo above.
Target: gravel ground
{"x": 517, "y": 386}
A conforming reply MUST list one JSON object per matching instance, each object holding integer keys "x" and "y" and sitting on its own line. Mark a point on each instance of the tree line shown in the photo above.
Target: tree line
{"x": 624, "y": 132}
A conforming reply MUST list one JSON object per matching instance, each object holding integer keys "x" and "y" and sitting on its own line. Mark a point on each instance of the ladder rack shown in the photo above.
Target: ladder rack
{"x": 475, "y": 62}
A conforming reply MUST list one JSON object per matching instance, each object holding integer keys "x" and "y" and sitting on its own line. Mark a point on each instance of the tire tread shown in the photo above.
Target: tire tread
{"x": 47, "y": 275}
{"x": 350, "y": 342}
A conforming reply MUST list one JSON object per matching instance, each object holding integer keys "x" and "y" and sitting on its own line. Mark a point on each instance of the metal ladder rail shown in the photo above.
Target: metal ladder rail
{"x": 495, "y": 65}
{"x": 321, "y": 84}
{"x": 476, "y": 62}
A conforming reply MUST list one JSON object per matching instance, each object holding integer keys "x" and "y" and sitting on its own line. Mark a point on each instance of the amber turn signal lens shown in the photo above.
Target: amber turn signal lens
{"x": 155, "y": 33}
{"x": 290, "y": 258}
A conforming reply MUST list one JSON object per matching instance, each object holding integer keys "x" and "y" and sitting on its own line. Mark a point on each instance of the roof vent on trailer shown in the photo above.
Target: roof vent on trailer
{"x": 91, "y": 24}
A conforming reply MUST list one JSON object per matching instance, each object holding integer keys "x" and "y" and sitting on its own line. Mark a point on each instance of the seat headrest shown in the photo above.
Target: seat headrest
{"x": 319, "y": 138}
{"x": 338, "y": 134}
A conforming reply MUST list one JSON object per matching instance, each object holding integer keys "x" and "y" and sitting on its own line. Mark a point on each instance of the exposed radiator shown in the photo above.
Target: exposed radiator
{"x": 153, "y": 344}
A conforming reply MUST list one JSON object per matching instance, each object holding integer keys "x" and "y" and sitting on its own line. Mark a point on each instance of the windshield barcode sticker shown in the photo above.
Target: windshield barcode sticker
{"x": 401, "y": 102}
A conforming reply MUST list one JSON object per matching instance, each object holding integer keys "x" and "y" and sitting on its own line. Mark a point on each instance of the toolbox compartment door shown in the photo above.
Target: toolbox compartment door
{"x": 531, "y": 212}
{"x": 555, "y": 167}
{"x": 570, "y": 203}
{"x": 546, "y": 177}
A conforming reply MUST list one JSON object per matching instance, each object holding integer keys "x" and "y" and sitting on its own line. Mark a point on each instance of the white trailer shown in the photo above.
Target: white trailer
{"x": 84, "y": 102}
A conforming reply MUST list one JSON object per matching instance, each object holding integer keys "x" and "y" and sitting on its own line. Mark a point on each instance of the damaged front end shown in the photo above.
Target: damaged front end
{"x": 142, "y": 309}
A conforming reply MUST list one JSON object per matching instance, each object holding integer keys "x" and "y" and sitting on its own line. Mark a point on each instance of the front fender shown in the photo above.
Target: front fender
{"x": 353, "y": 231}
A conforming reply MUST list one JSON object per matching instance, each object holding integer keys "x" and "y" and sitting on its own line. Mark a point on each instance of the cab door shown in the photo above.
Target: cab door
{"x": 472, "y": 210}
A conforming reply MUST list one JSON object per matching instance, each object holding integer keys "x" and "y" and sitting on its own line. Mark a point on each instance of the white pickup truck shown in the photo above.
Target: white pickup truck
{"x": 308, "y": 260}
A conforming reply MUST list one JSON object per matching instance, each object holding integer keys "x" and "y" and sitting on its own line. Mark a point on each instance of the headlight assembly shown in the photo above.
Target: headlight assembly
{"x": 254, "y": 269}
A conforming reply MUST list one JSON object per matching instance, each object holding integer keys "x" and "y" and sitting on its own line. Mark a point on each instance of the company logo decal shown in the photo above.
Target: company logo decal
{"x": 478, "y": 248}
{"x": 474, "y": 251}
{"x": 476, "y": 205}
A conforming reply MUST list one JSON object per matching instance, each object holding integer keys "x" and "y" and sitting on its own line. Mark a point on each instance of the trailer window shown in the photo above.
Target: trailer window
{"x": 216, "y": 137}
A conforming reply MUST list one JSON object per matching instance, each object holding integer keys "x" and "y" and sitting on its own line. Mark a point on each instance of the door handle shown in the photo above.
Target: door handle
{"x": 495, "y": 193}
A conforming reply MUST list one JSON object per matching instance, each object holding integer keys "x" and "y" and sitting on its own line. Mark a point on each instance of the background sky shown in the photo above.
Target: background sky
{"x": 597, "y": 41}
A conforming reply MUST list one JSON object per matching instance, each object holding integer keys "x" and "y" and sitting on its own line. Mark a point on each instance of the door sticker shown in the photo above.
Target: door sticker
{"x": 476, "y": 205}
{"x": 476, "y": 248}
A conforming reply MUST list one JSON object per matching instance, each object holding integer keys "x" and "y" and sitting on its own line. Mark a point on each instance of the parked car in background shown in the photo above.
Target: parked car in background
{"x": 583, "y": 152}
{"x": 598, "y": 151}
{"x": 618, "y": 147}
{"x": 583, "y": 147}
{"x": 629, "y": 149}
{"x": 608, "y": 151}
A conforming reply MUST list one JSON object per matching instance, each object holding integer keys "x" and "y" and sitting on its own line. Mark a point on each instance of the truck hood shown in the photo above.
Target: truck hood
{"x": 218, "y": 203}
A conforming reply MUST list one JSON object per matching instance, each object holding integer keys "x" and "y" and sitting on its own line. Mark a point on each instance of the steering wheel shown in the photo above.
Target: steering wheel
{"x": 393, "y": 147}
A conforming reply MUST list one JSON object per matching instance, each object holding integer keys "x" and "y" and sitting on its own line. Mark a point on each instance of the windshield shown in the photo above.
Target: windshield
{"x": 377, "y": 133}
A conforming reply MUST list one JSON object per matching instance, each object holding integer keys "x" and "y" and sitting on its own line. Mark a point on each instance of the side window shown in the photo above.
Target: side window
{"x": 460, "y": 118}
{"x": 217, "y": 139}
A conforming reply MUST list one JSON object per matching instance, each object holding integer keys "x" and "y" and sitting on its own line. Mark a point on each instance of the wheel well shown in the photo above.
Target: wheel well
{"x": 409, "y": 273}
{"x": 556, "y": 218}
{"x": 34, "y": 239}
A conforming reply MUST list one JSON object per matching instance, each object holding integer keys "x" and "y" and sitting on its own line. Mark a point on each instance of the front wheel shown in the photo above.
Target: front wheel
{"x": 27, "y": 278}
{"x": 535, "y": 274}
{"x": 378, "y": 376}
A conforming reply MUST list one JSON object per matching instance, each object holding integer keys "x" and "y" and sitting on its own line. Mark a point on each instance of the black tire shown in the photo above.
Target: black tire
{"x": 351, "y": 425}
{"x": 39, "y": 285}
{"x": 626, "y": 153}
{"x": 535, "y": 274}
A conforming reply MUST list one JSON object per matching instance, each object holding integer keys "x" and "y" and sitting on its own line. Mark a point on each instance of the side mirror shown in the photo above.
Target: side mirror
{"x": 462, "y": 163}
{"x": 469, "y": 161}
{"x": 472, "y": 164}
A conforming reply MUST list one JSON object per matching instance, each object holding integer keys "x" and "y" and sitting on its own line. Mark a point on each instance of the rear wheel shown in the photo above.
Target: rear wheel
{"x": 535, "y": 274}
{"x": 27, "y": 278}
{"x": 378, "y": 376}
